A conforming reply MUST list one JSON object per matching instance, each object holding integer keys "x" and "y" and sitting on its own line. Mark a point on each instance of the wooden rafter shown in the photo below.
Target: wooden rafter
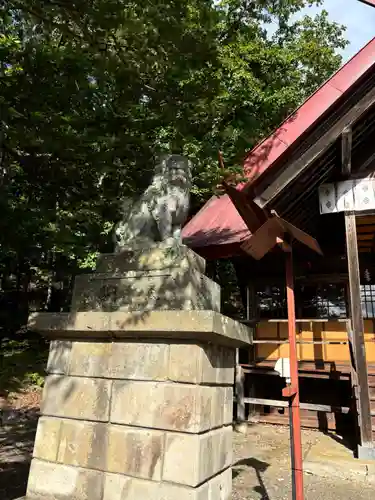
{"x": 366, "y": 164}
{"x": 252, "y": 215}
{"x": 346, "y": 152}
{"x": 276, "y": 231}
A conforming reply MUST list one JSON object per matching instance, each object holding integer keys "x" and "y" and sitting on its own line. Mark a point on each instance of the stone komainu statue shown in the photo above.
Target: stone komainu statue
{"x": 162, "y": 209}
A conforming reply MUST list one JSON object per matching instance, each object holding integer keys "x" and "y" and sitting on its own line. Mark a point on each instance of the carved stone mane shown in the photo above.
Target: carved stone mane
{"x": 162, "y": 209}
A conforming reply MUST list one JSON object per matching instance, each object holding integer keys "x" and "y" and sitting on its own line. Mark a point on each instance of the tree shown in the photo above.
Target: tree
{"x": 196, "y": 75}
{"x": 90, "y": 91}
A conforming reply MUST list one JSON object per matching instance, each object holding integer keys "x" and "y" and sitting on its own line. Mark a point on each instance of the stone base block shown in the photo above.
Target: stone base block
{"x": 76, "y": 397}
{"x": 138, "y": 402}
{"x": 142, "y": 453}
{"x": 50, "y": 481}
{"x": 164, "y": 255}
{"x": 132, "y": 360}
{"x": 192, "y": 459}
{"x": 179, "y": 326}
{"x": 201, "y": 364}
{"x": 174, "y": 289}
{"x": 98, "y": 446}
{"x": 161, "y": 277}
{"x": 175, "y": 407}
{"x": 124, "y": 488}
{"x": 366, "y": 452}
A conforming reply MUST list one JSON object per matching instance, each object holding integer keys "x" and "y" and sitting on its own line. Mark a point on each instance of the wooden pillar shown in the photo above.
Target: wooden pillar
{"x": 251, "y": 313}
{"x": 240, "y": 390}
{"x": 359, "y": 351}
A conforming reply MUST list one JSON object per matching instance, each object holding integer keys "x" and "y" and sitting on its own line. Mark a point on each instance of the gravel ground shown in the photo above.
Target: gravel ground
{"x": 262, "y": 469}
{"x": 277, "y": 487}
{"x": 261, "y": 460}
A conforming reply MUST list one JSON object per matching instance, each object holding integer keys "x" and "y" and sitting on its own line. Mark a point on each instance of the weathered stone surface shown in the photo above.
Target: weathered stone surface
{"x": 76, "y": 397}
{"x": 90, "y": 359}
{"x": 135, "y": 452}
{"x": 92, "y": 445}
{"x": 228, "y": 405}
{"x": 139, "y": 360}
{"x": 220, "y": 406}
{"x": 123, "y": 360}
{"x": 190, "y": 363}
{"x": 180, "y": 407}
{"x": 164, "y": 255}
{"x": 160, "y": 212}
{"x": 218, "y": 365}
{"x": 121, "y": 487}
{"x": 50, "y": 481}
{"x": 175, "y": 289}
{"x": 185, "y": 363}
{"x": 208, "y": 453}
{"x": 118, "y": 487}
{"x": 47, "y": 438}
{"x": 59, "y": 356}
{"x": 224, "y": 437}
{"x": 182, "y": 459}
{"x": 202, "y": 326}
{"x": 220, "y": 487}
{"x": 201, "y": 364}
{"x": 83, "y": 444}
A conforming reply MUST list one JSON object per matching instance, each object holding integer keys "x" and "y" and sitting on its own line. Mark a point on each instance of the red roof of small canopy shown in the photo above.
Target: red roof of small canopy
{"x": 225, "y": 225}
{"x": 218, "y": 224}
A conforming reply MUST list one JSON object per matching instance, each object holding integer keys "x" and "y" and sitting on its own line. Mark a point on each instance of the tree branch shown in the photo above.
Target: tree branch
{"x": 22, "y": 7}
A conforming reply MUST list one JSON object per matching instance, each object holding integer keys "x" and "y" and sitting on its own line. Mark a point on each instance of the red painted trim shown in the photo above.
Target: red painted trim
{"x": 213, "y": 225}
{"x": 215, "y": 252}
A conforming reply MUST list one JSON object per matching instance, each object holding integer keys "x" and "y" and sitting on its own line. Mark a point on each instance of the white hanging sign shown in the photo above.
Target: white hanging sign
{"x": 355, "y": 195}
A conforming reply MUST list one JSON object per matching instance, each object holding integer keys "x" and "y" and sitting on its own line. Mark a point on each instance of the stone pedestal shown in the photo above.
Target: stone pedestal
{"x": 137, "y": 404}
{"x": 163, "y": 277}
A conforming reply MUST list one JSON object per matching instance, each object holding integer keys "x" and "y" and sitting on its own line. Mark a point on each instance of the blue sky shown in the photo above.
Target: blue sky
{"x": 359, "y": 19}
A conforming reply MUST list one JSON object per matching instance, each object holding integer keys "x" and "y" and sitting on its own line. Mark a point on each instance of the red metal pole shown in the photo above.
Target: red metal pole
{"x": 292, "y": 391}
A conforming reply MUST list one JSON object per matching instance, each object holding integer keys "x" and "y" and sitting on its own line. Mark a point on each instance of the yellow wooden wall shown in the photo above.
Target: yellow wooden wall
{"x": 308, "y": 331}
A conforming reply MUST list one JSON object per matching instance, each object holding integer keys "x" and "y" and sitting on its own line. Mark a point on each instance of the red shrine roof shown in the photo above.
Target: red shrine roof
{"x": 218, "y": 223}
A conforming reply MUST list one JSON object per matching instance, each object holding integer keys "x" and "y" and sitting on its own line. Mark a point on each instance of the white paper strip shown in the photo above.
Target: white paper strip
{"x": 358, "y": 195}
{"x": 364, "y": 196}
{"x": 344, "y": 196}
{"x": 327, "y": 199}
